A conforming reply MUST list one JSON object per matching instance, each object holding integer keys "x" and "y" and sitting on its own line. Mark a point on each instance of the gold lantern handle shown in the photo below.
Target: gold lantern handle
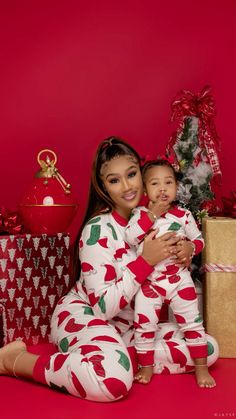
{"x": 42, "y": 163}
{"x": 48, "y": 168}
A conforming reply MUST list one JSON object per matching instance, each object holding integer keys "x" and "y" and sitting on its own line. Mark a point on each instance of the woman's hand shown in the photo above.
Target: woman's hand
{"x": 184, "y": 252}
{"x": 155, "y": 250}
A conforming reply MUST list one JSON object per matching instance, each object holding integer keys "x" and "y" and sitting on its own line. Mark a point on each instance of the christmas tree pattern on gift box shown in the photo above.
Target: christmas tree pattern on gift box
{"x": 34, "y": 274}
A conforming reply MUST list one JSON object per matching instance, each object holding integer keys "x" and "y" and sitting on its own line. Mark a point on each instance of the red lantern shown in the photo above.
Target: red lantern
{"x": 48, "y": 206}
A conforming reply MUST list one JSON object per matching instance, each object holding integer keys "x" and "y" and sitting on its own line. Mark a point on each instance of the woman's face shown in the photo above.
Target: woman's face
{"x": 122, "y": 181}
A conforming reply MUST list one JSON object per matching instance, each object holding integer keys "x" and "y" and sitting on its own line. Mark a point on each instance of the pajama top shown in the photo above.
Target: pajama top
{"x": 111, "y": 273}
{"x": 175, "y": 219}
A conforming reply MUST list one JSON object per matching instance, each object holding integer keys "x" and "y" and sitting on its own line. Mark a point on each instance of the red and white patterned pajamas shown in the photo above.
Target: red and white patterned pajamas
{"x": 169, "y": 284}
{"x": 93, "y": 325}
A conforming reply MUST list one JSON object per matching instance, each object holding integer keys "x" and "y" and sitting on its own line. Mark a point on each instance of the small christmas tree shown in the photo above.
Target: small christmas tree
{"x": 195, "y": 145}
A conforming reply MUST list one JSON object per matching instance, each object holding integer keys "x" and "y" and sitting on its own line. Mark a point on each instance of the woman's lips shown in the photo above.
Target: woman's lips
{"x": 129, "y": 196}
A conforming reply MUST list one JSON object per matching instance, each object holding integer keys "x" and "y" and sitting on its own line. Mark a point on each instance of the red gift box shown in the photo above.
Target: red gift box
{"x": 34, "y": 274}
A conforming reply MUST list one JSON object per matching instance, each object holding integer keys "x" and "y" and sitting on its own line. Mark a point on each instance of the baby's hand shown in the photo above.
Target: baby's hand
{"x": 184, "y": 253}
{"x": 158, "y": 207}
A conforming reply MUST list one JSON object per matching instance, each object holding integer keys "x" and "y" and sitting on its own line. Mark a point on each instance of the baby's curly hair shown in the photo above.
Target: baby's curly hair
{"x": 160, "y": 162}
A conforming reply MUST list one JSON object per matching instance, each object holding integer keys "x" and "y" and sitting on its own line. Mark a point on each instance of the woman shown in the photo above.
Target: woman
{"x": 93, "y": 324}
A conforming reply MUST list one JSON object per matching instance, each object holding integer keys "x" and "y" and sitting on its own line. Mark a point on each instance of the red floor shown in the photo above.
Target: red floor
{"x": 166, "y": 397}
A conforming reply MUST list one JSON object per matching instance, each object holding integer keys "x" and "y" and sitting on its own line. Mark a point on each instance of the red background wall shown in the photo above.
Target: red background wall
{"x": 73, "y": 73}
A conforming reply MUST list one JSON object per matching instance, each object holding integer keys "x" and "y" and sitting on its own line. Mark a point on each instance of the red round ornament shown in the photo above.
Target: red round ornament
{"x": 48, "y": 206}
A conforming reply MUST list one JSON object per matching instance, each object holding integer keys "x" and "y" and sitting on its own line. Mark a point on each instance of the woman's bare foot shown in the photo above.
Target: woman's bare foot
{"x": 144, "y": 375}
{"x": 203, "y": 377}
{"x": 8, "y": 356}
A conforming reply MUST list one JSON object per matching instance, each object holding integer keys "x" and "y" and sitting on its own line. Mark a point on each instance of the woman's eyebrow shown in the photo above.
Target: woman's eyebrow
{"x": 134, "y": 166}
{"x": 111, "y": 174}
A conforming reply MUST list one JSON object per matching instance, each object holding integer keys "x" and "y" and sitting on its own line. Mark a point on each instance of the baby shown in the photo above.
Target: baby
{"x": 170, "y": 282}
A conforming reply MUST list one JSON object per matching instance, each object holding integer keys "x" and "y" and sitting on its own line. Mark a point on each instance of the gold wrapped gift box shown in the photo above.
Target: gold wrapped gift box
{"x": 220, "y": 286}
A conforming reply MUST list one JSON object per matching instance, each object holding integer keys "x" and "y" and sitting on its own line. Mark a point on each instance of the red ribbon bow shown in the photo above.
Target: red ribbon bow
{"x": 9, "y": 222}
{"x": 202, "y": 106}
{"x": 169, "y": 159}
{"x": 146, "y": 159}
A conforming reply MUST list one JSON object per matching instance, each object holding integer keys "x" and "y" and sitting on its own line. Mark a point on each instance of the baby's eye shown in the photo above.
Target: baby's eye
{"x": 169, "y": 182}
{"x": 132, "y": 174}
{"x": 154, "y": 183}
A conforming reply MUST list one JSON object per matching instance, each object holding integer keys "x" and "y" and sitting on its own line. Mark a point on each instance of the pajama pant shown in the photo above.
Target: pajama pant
{"x": 179, "y": 292}
{"x": 95, "y": 363}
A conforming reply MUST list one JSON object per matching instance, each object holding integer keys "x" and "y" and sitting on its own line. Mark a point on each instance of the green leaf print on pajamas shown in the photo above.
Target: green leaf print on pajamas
{"x": 174, "y": 226}
{"x": 88, "y": 310}
{"x": 64, "y": 344}
{"x": 94, "y": 235}
{"x": 94, "y": 220}
{"x": 124, "y": 360}
{"x": 114, "y": 235}
{"x": 102, "y": 304}
{"x": 198, "y": 319}
{"x": 210, "y": 348}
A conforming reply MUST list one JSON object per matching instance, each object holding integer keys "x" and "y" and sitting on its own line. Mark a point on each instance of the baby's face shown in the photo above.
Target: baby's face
{"x": 160, "y": 184}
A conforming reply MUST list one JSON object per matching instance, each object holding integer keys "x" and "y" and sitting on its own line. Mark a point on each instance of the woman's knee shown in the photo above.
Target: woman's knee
{"x": 117, "y": 388}
{"x": 118, "y": 375}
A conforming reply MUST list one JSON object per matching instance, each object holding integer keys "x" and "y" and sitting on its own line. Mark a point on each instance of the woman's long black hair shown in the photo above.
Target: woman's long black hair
{"x": 99, "y": 201}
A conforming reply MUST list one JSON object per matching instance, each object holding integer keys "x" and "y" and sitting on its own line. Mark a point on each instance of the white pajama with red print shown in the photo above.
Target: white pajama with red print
{"x": 93, "y": 325}
{"x": 168, "y": 283}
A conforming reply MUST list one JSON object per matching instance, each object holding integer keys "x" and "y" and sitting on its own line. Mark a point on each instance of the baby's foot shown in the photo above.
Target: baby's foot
{"x": 203, "y": 377}
{"x": 144, "y": 375}
{"x": 8, "y": 355}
